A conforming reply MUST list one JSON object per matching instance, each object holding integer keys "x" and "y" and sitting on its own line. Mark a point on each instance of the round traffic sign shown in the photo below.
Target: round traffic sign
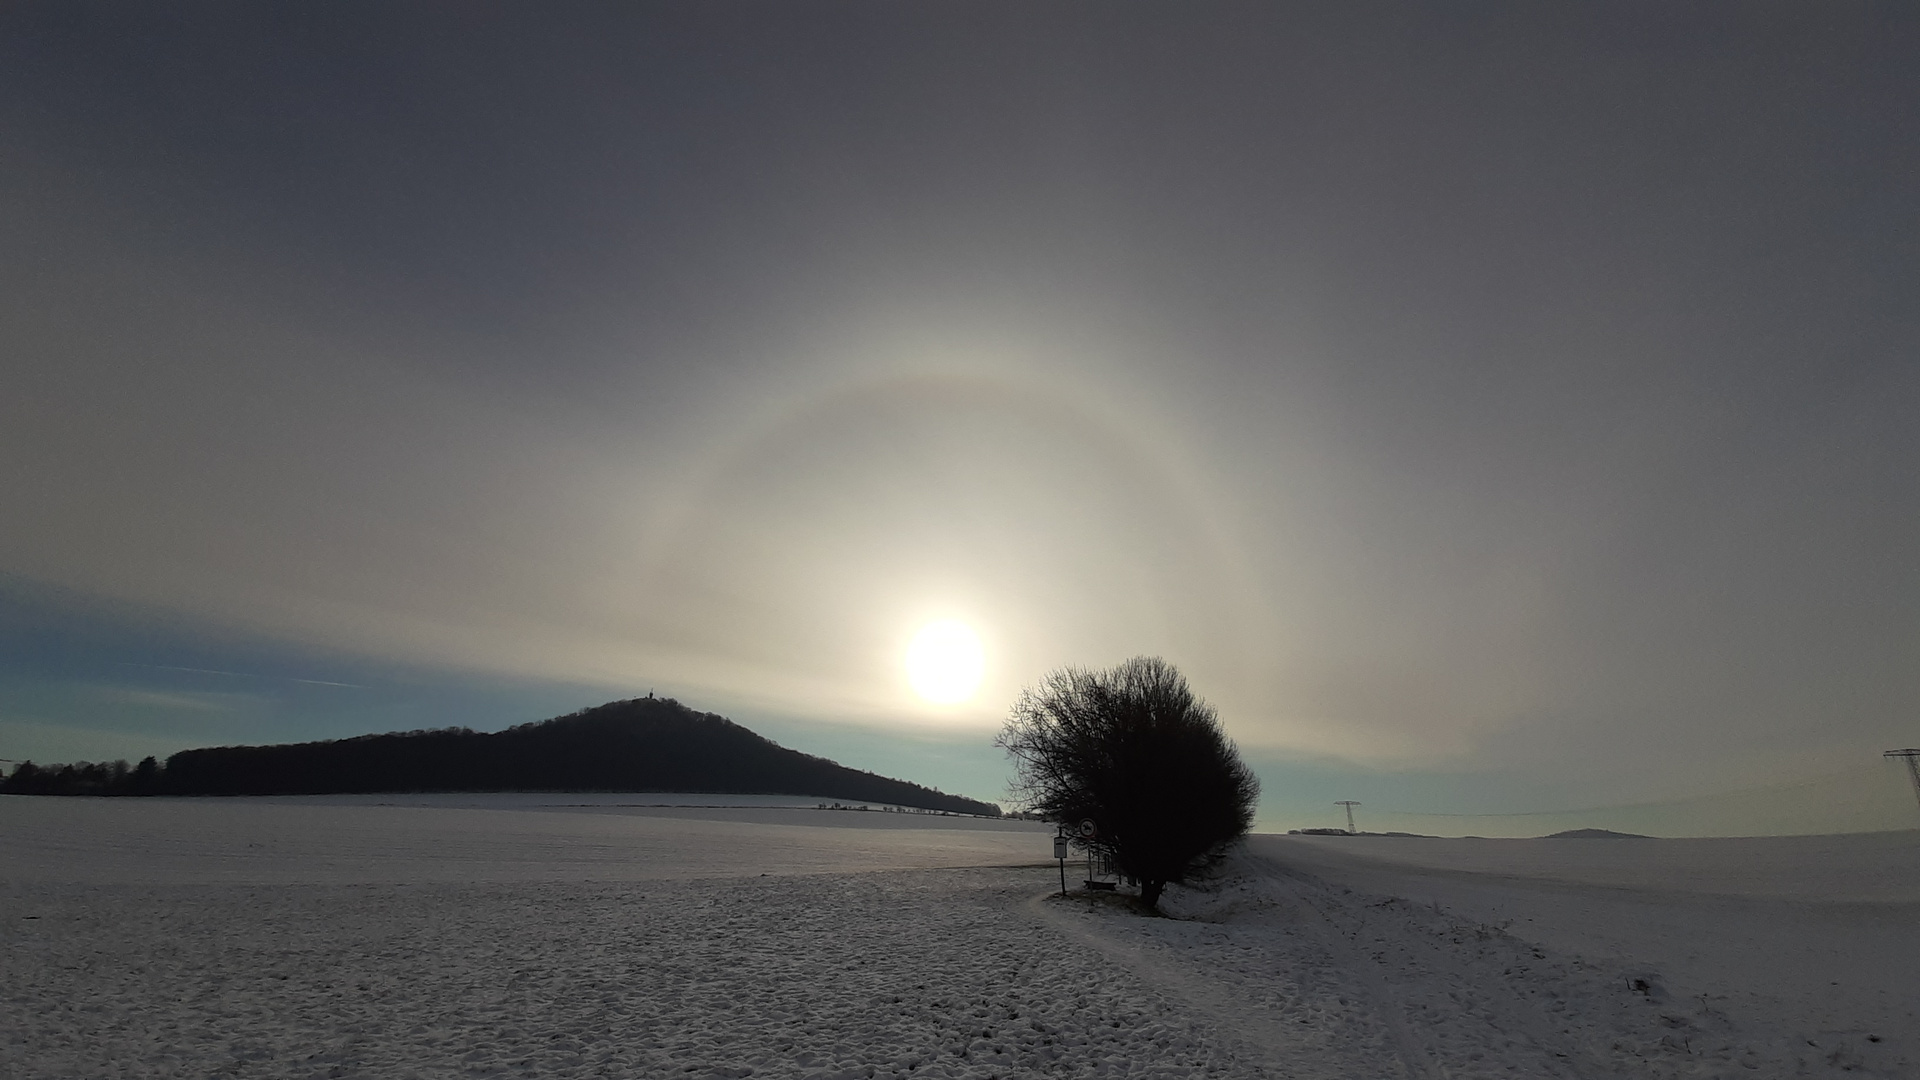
{"x": 1088, "y": 830}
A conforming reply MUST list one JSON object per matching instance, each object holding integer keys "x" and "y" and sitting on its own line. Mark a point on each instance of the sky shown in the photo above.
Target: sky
{"x": 1503, "y": 413}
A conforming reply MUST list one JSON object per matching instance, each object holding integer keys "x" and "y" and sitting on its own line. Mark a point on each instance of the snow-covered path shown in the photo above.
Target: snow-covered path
{"x": 1352, "y": 985}
{"x": 342, "y": 941}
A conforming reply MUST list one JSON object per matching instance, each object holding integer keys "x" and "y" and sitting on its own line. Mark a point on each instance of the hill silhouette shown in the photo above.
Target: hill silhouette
{"x": 1595, "y": 834}
{"x": 645, "y": 744}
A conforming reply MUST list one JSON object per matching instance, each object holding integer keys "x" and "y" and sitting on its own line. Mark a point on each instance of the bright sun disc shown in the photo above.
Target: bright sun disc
{"x": 945, "y": 662}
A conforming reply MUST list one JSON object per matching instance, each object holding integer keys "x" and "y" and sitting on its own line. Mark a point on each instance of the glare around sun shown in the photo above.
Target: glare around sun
{"x": 945, "y": 662}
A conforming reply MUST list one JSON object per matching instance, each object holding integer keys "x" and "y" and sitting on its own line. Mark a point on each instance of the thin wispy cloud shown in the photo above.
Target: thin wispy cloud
{"x": 174, "y": 699}
{"x": 244, "y": 675}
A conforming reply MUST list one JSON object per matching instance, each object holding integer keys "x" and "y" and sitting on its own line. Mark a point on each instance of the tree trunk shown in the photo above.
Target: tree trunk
{"x": 1150, "y": 893}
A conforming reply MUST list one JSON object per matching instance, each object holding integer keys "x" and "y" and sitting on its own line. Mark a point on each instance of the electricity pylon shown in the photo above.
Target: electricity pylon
{"x": 1912, "y": 757}
{"x": 1350, "y": 804}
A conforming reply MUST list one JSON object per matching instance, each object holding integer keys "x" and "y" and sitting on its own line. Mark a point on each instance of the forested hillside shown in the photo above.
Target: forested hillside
{"x": 646, "y": 744}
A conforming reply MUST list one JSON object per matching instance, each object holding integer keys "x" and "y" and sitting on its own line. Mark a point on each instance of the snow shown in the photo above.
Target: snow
{"x": 1794, "y": 954}
{"x": 517, "y": 937}
{"x": 523, "y": 800}
{"x": 295, "y": 840}
{"x": 1863, "y": 867}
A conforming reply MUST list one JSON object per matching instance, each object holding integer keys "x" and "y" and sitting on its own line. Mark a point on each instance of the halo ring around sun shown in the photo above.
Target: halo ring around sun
{"x": 945, "y": 662}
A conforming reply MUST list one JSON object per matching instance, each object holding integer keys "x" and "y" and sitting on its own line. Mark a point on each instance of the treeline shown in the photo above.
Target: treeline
{"x": 84, "y": 778}
{"x": 646, "y": 744}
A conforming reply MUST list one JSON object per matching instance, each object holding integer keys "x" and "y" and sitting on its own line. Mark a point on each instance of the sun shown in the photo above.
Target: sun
{"x": 945, "y": 662}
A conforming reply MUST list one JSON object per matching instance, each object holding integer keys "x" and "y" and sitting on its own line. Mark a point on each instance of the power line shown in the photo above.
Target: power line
{"x": 1349, "y": 804}
{"x": 1912, "y": 758}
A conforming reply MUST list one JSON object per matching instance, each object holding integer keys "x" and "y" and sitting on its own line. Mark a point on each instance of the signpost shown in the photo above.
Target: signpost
{"x": 1060, "y": 852}
{"x": 1088, "y": 832}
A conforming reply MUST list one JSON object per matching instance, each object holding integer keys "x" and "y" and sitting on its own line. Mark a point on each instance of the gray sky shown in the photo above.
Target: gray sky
{"x": 1523, "y": 393}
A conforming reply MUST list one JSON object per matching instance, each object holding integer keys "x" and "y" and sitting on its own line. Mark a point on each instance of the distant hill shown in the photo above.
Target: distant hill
{"x": 1594, "y": 834}
{"x": 645, "y": 744}
{"x": 1343, "y": 832}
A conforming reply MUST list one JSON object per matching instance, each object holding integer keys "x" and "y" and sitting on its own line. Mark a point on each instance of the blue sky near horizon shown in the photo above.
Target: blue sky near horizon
{"x": 81, "y": 679}
{"x": 1503, "y": 410}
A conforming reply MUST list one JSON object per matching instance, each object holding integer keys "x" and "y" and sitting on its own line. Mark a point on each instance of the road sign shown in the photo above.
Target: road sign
{"x": 1088, "y": 830}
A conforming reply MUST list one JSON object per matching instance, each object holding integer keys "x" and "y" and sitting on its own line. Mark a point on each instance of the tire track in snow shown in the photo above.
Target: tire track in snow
{"x": 1329, "y": 982}
{"x": 1419, "y": 1059}
{"x": 1235, "y": 1022}
{"x": 1397, "y": 920}
{"x": 1238, "y": 1018}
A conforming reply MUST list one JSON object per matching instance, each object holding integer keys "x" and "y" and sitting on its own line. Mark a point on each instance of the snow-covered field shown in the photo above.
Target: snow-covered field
{"x": 1790, "y": 956}
{"x": 503, "y": 937}
{"x": 362, "y": 841}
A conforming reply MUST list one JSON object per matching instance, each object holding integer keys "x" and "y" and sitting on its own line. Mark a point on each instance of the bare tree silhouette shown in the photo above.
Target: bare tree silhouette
{"x": 1134, "y": 750}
